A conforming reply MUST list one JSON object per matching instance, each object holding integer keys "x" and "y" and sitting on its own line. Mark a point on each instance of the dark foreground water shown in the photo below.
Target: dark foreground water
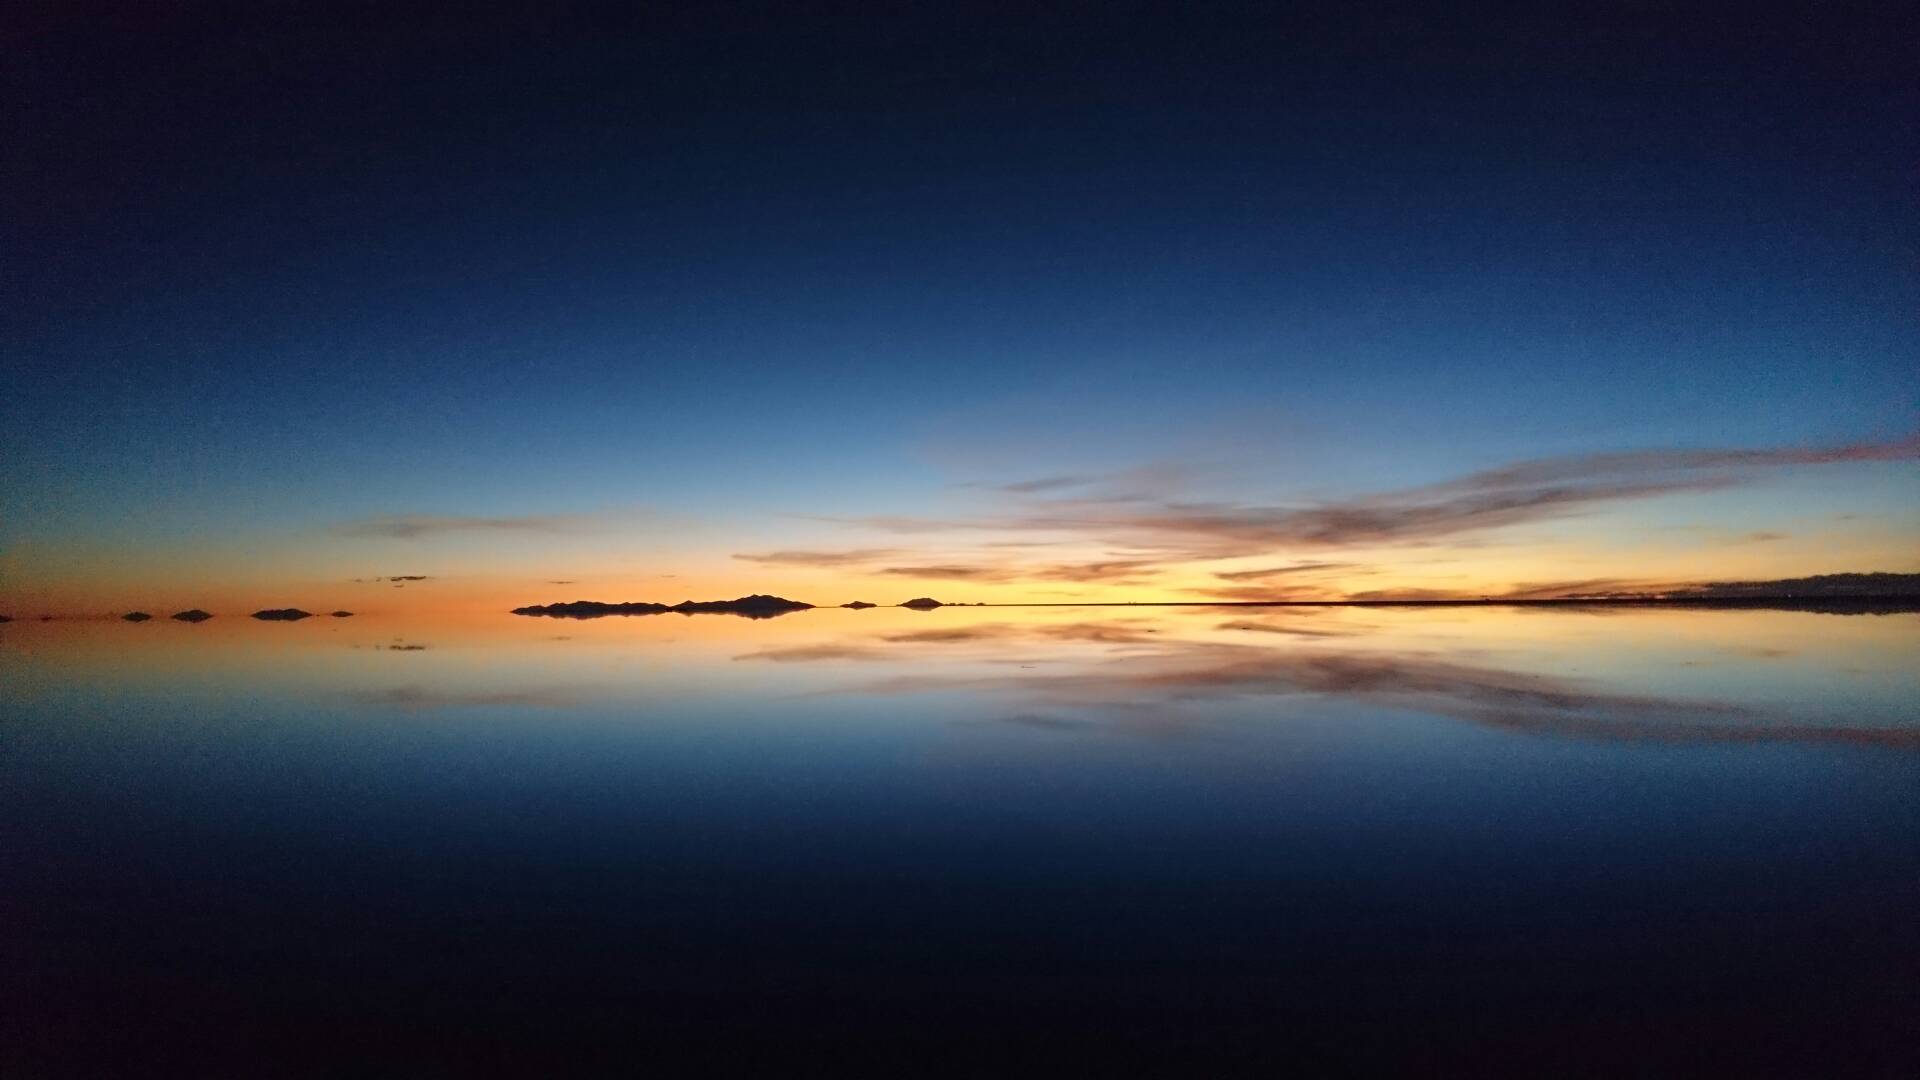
{"x": 1189, "y": 841}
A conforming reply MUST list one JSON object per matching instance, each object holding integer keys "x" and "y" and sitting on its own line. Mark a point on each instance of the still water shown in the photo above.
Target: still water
{"x": 1577, "y": 840}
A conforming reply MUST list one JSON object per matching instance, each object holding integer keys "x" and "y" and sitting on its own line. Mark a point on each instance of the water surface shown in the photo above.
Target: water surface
{"x": 1581, "y": 839}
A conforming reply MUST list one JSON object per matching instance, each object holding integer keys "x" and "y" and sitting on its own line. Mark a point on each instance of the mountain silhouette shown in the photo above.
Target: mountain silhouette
{"x": 193, "y": 615}
{"x": 924, "y": 603}
{"x": 136, "y": 616}
{"x": 283, "y": 614}
{"x": 859, "y": 605}
{"x": 1817, "y": 587}
{"x": 757, "y": 606}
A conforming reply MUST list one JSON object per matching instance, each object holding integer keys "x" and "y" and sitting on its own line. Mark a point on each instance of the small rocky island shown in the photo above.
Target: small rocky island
{"x": 757, "y": 606}
{"x": 193, "y": 615}
{"x": 924, "y": 603}
{"x": 136, "y": 616}
{"x": 289, "y": 614}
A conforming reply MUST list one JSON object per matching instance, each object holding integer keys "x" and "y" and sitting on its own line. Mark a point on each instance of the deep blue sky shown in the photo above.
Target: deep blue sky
{"x": 310, "y": 268}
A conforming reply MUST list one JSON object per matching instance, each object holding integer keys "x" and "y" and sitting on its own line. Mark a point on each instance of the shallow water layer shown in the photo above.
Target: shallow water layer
{"x": 1576, "y": 838}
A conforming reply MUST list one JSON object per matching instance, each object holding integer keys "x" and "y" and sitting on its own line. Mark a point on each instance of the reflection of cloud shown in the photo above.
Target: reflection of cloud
{"x": 416, "y": 526}
{"x": 1628, "y": 729}
{"x": 881, "y": 646}
{"x": 1045, "y": 722}
{"x": 1252, "y": 626}
{"x": 1105, "y": 633}
{"x": 819, "y": 558}
{"x": 1108, "y": 633}
{"x": 1178, "y": 674}
{"x": 418, "y": 697}
{"x": 811, "y": 653}
{"x": 984, "y": 632}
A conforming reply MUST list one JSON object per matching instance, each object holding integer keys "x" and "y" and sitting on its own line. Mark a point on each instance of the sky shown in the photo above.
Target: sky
{"x": 1089, "y": 303}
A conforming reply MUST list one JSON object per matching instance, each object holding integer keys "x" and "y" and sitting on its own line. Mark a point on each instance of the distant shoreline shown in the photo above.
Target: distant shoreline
{"x": 1904, "y": 602}
{"x": 1883, "y": 605}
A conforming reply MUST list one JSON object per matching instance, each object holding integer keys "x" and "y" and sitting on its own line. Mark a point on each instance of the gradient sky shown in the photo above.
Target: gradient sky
{"x": 1109, "y": 302}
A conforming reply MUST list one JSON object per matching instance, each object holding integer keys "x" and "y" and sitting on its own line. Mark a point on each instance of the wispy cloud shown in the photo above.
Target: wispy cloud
{"x": 1043, "y": 484}
{"x": 1110, "y": 570}
{"x": 952, "y": 572}
{"x": 419, "y": 526}
{"x": 1282, "y": 571}
{"x": 1261, "y": 594}
{"x": 1583, "y": 468}
{"x": 1582, "y": 588}
{"x": 853, "y": 557}
{"x": 1153, "y": 513}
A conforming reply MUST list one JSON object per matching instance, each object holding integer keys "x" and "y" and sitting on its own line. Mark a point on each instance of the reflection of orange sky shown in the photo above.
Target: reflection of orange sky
{"x": 1492, "y": 629}
{"x": 1748, "y": 672}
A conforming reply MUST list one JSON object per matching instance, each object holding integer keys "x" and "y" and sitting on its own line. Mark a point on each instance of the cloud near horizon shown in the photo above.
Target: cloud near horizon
{"x": 1522, "y": 493}
{"x": 418, "y": 526}
{"x": 1144, "y": 527}
{"x": 1282, "y": 571}
{"x": 853, "y": 557}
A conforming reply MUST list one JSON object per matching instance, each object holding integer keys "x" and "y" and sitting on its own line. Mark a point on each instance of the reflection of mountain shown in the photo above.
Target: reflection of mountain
{"x": 757, "y": 606}
{"x": 290, "y": 614}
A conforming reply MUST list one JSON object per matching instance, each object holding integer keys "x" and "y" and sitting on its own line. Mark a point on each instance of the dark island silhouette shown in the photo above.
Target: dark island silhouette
{"x": 757, "y": 606}
{"x": 1818, "y": 587}
{"x": 6, "y": 618}
{"x": 1847, "y": 593}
